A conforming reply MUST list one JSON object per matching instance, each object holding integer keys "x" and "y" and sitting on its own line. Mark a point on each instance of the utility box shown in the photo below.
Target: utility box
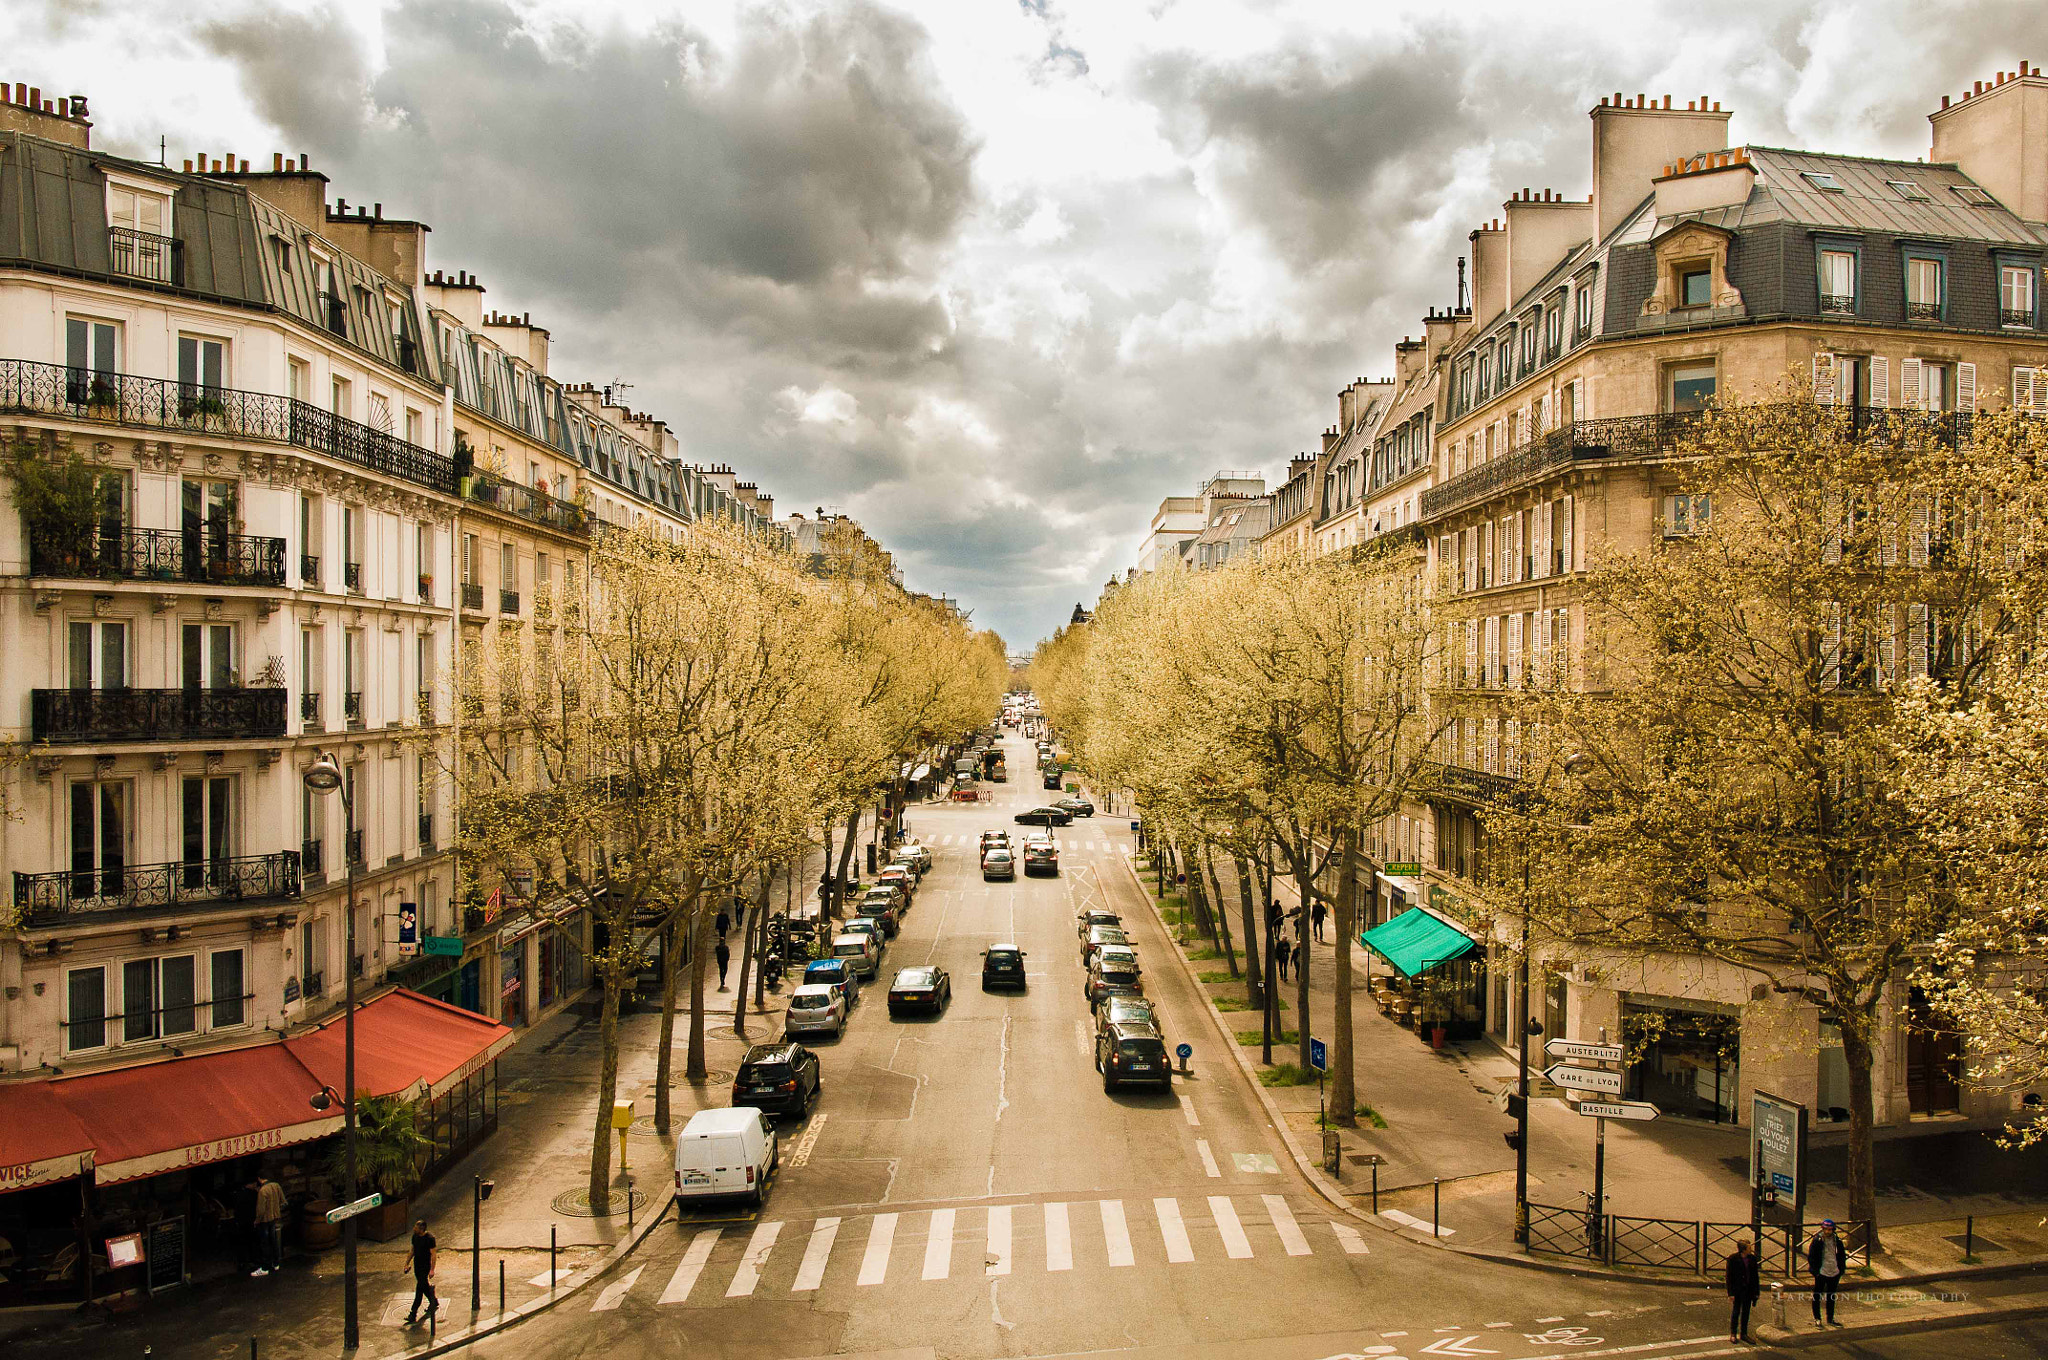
{"x": 622, "y": 1114}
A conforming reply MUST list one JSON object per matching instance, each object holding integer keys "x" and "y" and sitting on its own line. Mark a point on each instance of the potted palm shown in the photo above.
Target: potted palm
{"x": 389, "y": 1148}
{"x": 1438, "y": 1003}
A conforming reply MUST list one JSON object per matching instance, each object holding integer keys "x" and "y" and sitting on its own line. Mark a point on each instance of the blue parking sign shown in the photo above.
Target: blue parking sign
{"x": 1318, "y": 1056}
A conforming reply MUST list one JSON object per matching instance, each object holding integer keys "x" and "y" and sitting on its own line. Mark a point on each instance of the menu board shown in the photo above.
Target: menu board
{"x": 166, "y": 1259}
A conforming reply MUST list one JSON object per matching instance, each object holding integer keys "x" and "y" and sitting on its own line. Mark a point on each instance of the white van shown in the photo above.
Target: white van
{"x": 863, "y": 953}
{"x": 726, "y": 1152}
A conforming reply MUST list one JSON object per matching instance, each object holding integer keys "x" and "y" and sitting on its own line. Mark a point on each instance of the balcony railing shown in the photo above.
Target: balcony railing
{"x": 426, "y": 832}
{"x": 1467, "y": 785}
{"x": 426, "y": 707}
{"x": 508, "y": 602}
{"x": 73, "y": 716}
{"x": 312, "y": 984}
{"x": 472, "y": 596}
{"x": 145, "y": 255}
{"x": 355, "y": 847}
{"x": 2016, "y": 316}
{"x": 352, "y": 577}
{"x": 525, "y": 502}
{"x": 157, "y": 403}
{"x": 313, "y": 857}
{"x": 1923, "y": 311}
{"x": 309, "y": 709}
{"x": 50, "y": 899}
{"x": 352, "y": 708}
{"x": 1838, "y": 304}
{"x": 198, "y": 555}
{"x": 309, "y": 569}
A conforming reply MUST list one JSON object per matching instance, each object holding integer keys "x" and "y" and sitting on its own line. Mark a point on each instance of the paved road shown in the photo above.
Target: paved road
{"x": 966, "y": 1189}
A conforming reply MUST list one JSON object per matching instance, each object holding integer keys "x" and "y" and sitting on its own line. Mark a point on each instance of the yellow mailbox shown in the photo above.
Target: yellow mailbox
{"x": 622, "y": 1114}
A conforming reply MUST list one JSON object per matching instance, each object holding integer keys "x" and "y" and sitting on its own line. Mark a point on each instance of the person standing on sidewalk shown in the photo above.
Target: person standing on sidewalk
{"x": 269, "y": 1227}
{"x": 1745, "y": 1282}
{"x": 422, "y": 1274}
{"x": 1824, "y": 1261}
{"x": 722, "y": 924}
{"x": 1283, "y": 954}
{"x": 1321, "y": 910}
{"x": 724, "y": 956}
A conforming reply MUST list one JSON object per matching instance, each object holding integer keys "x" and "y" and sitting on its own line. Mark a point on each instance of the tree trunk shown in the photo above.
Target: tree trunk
{"x": 1222, "y": 911}
{"x": 760, "y": 940}
{"x": 739, "y": 991}
{"x": 845, "y": 858}
{"x": 607, "y": 1080}
{"x": 1343, "y": 1088}
{"x": 1304, "y": 891}
{"x": 696, "y": 1069}
{"x": 1857, "y": 1055}
{"x": 1196, "y": 899}
{"x": 1254, "y": 971}
{"x": 664, "y": 1056}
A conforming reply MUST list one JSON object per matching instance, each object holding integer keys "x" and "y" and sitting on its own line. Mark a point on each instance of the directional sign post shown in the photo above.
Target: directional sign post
{"x": 1584, "y": 1078}
{"x": 1318, "y": 1055}
{"x": 1639, "y": 1110}
{"x": 1576, "y": 1051}
{"x": 361, "y": 1206}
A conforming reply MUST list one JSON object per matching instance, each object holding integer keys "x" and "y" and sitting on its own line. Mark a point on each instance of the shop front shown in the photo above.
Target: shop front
{"x": 1684, "y": 1056}
{"x": 1436, "y": 978}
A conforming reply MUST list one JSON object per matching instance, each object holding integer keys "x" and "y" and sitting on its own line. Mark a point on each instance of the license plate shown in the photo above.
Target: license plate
{"x": 696, "y": 1178}
{"x": 1141, "y": 1067}
{"x": 760, "y": 1090}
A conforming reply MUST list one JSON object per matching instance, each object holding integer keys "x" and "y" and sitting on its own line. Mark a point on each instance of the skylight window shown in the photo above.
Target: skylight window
{"x": 1974, "y": 196}
{"x": 1908, "y": 190}
{"x": 1826, "y": 183}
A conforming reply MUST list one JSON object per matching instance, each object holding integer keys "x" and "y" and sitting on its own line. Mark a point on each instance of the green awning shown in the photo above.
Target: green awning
{"x": 1415, "y": 941}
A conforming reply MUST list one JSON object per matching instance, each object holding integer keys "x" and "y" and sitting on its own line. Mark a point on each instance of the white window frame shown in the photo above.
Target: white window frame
{"x": 165, "y": 194}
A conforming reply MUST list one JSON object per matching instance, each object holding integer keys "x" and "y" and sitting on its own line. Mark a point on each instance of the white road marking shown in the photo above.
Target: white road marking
{"x": 1550, "y": 1319}
{"x": 999, "y": 1239}
{"x": 801, "y": 1154}
{"x": 938, "y": 1248}
{"x": 1208, "y": 1157}
{"x": 1115, "y": 1234}
{"x": 1187, "y": 1107}
{"x": 1235, "y": 1243}
{"x": 1604, "y": 1312}
{"x": 1354, "y": 1245}
{"x": 874, "y": 1265}
{"x": 685, "y": 1279}
{"x": 1283, "y": 1223}
{"x": 616, "y": 1291}
{"x": 1408, "y": 1220}
{"x": 1081, "y": 1040}
{"x": 1173, "y": 1230}
{"x": 547, "y": 1280}
{"x": 1059, "y": 1242}
{"x": 749, "y": 1273}
{"x": 811, "y": 1273}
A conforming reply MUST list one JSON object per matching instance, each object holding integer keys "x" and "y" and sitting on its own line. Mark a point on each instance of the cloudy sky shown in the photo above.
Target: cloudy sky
{"x": 991, "y": 275}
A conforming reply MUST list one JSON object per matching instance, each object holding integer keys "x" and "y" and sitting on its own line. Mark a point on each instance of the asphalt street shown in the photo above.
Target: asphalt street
{"x": 965, "y": 1188}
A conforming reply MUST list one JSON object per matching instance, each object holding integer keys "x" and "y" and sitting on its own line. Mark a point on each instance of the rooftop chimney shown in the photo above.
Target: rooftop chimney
{"x": 1540, "y": 231}
{"x": 23, "y": 109}
{"x": 1633, "y": 140}
{"x": 1997, "y": 134}
{"x": 1489, "y": 273}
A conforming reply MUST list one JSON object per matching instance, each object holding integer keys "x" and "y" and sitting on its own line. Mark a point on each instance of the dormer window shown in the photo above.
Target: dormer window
{"x": 1973, "y": 196}
{"x": 1696, "y": 288}
{"x": 1907, "y": 190}
{"x": 1838, "y": 282}
{"x": 1822, "y": 181}
{"x": 139, "y": 241}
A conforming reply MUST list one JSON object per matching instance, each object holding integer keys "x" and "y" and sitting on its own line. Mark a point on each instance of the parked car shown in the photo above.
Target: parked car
{"x": 1086, "y": 921}
{"x": 816, "y": 1008}
{"x": 998, "y": 863}
{"x": 1113, "y": 972}
{"x": 897, "y": 893}
{"x": 1099, "y": 936}
{"x": 727, "y": 1152}
{"x": 1080, "y": 807}
{"x": 835, "y": 973}
{"x": 877, "y": 907}
{"x": 863, "y": 953}
{"x": 989, "y": 838}
{"x": 1045, "y": 816}
{"x": 1052, "y": 779}
{"x": 867, "y": 925}
{"x": 925, "y": 988}
{"x": 778, "y": 1078}
{"x": 917, "y": 851}
{"x": 900, "y": 876}
{"x": 1002, "y": 965}
{"x": 1123, "y": 1009}
{"x": 1132, "y": 1052}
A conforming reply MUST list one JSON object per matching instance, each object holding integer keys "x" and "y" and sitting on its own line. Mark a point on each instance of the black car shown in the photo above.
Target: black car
{"x": 1041, "y": 857}
{"x": 1132, "y": 1052}
{"x": 1045, "y": 816}
{"x": 923, "y": 988}
{"x": 1080, "y": 807}
{"x": 777, "y": 1079}
{"x": 1002, "y": 965}
{"x": 1052, "y": 780}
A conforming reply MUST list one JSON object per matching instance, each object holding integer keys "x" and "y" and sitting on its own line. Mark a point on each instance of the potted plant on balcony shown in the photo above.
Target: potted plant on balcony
{"x": 61, "y": 502}
{"x": 102, "y": 402}
{"x": 389, "y": 1148}
{"x": 426, "y": 585}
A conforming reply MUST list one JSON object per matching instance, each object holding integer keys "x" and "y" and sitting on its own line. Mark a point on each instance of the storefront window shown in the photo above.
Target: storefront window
{"x": 1684, "y": 1062}
{"x": 512, "y": 985}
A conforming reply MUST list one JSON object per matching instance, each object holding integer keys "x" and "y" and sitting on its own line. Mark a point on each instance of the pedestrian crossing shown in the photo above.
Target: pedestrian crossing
{"x": 1065, "y": 844}
{"x": 778, "y": 1257}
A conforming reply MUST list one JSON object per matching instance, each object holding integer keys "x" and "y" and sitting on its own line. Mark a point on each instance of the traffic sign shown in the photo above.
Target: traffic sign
{"x": 361, "y": 1206}
{"x": 1617, "y": 1109}
{"x": 1572, "y": 1048}
{"x": 1318, "y": 1056}
{"x": 1184, "y": 1052}
{"x": 1584, "y": 1078}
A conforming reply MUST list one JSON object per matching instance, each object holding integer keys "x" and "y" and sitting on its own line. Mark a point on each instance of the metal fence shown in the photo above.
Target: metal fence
{"x": 1679, "y": 1243}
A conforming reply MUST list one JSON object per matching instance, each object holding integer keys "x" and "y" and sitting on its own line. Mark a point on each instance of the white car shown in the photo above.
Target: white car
{"x": 816, "y": 1008}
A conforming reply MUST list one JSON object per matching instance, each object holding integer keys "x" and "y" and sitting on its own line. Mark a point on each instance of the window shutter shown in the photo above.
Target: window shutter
{"x": 1966, "y": 387}
{"x": 1565, "y": 546}
{"x": 1514, "y": 651}
{"x": 2039, "y": 404}
{"x": 1831, "y": 647}
{"x": 1492, "y": 752}
{"x": 2023, "y": 389}
{"x": 1887, "y": 625}
{"x": 1909, "y": 384}
{"x": 1471, "y": 651}
{"x": 1920, "y": 523}
{"x": 1916, "y": 641}
{"x": 1511, "y": 749}
{"x": 1540, "y": 620}
{"x": 1823, "y": 378}
{"x": 1564, "y": 645}
{"x": 1880, "y": 380}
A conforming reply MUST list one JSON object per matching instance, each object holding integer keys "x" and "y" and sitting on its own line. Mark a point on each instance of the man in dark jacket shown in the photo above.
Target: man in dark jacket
{"x": 1745, "y": 1282}
{"x": 1825, "y": 1260}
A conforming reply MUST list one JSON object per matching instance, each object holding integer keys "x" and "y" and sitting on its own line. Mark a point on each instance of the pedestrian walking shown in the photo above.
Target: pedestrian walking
{"x": 269, "y": 1227}
{"x": 1316, "y": 916}
{"x": 724, "y": 956}
{"x": 422, "y": 1274}
{"x": 1745, "y": 1282}
{"x": 722, "y": 924}
{"x": 1281, "y": 954}
{"x": 1824, "y": 1261}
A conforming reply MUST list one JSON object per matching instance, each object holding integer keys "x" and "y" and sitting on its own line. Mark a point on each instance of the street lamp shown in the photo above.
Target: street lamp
{"x": 324, "y": 776}
{"x": 1575, "y": 763}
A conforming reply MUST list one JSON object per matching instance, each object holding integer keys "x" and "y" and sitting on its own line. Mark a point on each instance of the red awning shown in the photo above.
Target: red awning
{"x": 406, "y": 1045}
{"x": 39, "y": 1140}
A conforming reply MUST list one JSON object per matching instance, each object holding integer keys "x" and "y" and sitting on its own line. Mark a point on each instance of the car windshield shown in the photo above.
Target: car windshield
{"x": 873, "y": 906}
{"x": 1120, "y": 968}
{"x": 998, "y": 856}
{"x": 810, "y": 1001}
{"x": 1107, "y": 935}
{"x": 1131, "y": 1011}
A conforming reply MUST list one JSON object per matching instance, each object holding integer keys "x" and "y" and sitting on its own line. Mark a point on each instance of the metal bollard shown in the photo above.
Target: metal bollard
{"x": 501, "y": 1286}
{"x": 1969, "y": 1236}
{"x": 551, "y": 1258}
{"x": 1778, "y": 1305}
{"x": 1436, "y": 1204}
{"x": 1375, "y": 1185}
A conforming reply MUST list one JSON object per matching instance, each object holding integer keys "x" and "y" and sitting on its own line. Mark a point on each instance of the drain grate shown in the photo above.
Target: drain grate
{"x": 576, "y": 1203}
{"x": 712, "y": 1077}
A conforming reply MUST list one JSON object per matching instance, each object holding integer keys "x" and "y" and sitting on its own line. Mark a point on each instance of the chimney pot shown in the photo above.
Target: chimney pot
{"x": 245, "y": 167}
{"x": 216, "y": 167}
{"x": 188, "y": 165}
{"x": 380, "y": 212}
{"x": 277, "y": 162}
{"x": 302, "y": 162}
{"x": 35, "y": 96}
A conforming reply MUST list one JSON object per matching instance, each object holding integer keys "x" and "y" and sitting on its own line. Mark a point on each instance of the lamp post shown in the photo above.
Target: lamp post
{"x": 323, "y": 777}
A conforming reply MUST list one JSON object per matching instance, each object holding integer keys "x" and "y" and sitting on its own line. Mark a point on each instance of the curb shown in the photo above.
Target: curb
{"x": 1940, "y": 1322}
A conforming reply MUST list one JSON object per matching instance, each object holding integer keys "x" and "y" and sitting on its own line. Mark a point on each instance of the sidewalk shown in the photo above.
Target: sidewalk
{"x": 539, "y": 1161}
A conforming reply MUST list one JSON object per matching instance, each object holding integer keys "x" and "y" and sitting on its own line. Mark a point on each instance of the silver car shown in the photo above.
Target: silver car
{"x": 816, "y": 1008}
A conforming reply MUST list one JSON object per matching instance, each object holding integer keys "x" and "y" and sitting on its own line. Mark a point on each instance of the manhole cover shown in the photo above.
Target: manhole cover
{"x": 713, "y": 1077}
{"x": 576, "y": 1203}
{"x": 645, "y": 1124}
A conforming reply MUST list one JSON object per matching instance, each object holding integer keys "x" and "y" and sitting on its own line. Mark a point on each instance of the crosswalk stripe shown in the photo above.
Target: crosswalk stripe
{"x": 1283, "y": 1223}
{"x": 938, "y": 1248}
{"x": 1116, "y": 1234}
{"x": 1059, "y": 1243}
{"x": 749, "y": 1273}
{"x": 692, "y": 1265}
{"x": 1208, "y": 1157}
{"x": 999, "y": 1239}
{"x": 874, "y": 1265}
{"x": 1187, "y": 1107}
{"x": 811, "y": 1273}
{"x": 1235, "y": 1243}
{"x": 1173, "y": 1230}
{"x": 1354, "y": 1245}
{"x": 616, "y": 1291}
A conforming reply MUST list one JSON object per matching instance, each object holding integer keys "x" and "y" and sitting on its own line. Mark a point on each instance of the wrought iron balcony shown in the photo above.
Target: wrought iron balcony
{"x": 309, "y": 569}
{"x": 352, "y": 576}
{"x": 1467, "y": 785}
{"x": 426, "y": 707}
{"x": 201, "y": 555}
{"x": 538, "y": 507}
{"x": 313, "y": 857}
{"x": 508, "y": 602}
{"x": 426, "y": 832}
{"x": 312, "y": 984}
{"x": 145, "y": 255}
{"x": 2016, "y": 316}
{"x": 355, "y": 847}
{"x": 472, "y": 596}
{"x": 52, "y": 899}
{"x": 1923, "y": 311}
{"x": 77, "y": 716}
{"x": 1838, "y": 304}
{"x": 27, "y": 387}
{"x": 352, "y": 708}
{"x": 309, "y": 708}
{"x": 426, "y": 590}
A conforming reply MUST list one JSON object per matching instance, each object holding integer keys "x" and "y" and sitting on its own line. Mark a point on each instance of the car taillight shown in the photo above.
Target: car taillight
{"x": 679, "y": 1180}
{"x": 787, "y": 1086}
{"x": 750, "y": 1175}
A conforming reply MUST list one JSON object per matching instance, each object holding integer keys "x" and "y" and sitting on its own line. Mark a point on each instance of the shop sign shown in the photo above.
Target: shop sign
{"x": 408, "y": 929}
{"x": 443, "y": 946}
{"x": 1404, "y": 869}
{"x": 493, "y": 905}
{"x": 291, "y": 989}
